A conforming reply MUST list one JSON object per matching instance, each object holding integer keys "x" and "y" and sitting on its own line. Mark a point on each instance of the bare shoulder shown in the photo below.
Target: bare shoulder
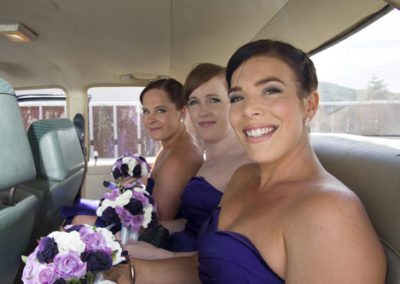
{"x": 186, "y": 152}
{"x": 328, "y": 235}
{"x": 246, "y": 172}
{"x": 240, "y": 178}
{"x": 249, "y": 168}
{"x": 332, "y": 201}
{"x": 190, "y": 156}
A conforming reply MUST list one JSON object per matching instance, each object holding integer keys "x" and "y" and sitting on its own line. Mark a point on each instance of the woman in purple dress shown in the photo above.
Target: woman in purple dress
{"x": 208, "y": 106}
{"x": 283, "y": 218}
{"x": 164, "y": 113}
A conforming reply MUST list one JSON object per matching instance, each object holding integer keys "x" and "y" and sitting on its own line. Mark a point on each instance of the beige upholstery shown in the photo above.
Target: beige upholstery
{"x": 371, "y": 168}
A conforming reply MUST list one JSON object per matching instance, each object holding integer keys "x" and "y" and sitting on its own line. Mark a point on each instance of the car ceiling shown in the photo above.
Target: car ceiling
{"x": 94, "y": 42}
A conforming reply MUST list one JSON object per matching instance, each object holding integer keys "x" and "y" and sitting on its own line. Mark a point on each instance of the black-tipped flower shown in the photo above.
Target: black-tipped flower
{"x": 97, "y": 260}
{"x": 110, "y": 216}
{"x": 47, "y": 250}
{"x": 134, "y": 207}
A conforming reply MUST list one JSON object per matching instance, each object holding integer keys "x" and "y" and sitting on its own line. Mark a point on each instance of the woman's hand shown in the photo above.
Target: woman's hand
{"x": 120, "y": 274}
{"x": 145, "y": 250}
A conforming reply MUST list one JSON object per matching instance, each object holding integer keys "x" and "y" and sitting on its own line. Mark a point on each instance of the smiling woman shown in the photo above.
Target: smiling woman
{"x": 164, "y": 113}
{"x": 300, "y": 214}
{"x": 115, "y": 45}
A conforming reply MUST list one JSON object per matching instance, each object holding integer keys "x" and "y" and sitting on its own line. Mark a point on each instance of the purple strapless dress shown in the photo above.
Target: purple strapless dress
{"x": 199, "y": 200}
{"x": 229, "y": 257}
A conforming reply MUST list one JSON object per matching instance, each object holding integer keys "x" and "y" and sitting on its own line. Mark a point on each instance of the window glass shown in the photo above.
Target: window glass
{"x": 359, "y": 82}
{"x": 115, "y": 124}
{"x": 38, "y": 104}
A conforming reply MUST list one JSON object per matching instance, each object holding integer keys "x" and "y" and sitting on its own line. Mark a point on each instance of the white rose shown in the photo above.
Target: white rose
{"x": 113, "y": 244}
{"x": 147, "y": 215}
{"x": 123, "y": 199}
{"x": 140, "y": 188}
{"x": 131, "y": 162}
{"x": 68, "y": 241}
{"x": 145, "y": 170}
{"x": 106, "y": 203}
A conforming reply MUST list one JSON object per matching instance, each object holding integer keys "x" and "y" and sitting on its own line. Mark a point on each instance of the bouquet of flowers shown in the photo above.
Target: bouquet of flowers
{"x": 131, "y": 205}
{"x": 130, "y": 165}
{"x": 73, "y": 256}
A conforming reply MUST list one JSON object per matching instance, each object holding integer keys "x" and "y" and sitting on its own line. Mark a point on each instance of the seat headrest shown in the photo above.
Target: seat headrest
{"x": 56, "y": 148}
{"x": 16, "y": 161}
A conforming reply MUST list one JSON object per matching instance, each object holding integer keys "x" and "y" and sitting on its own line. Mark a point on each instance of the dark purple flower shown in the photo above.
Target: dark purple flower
{"x": 47, "y": 250}
{"x": 141, "y": 197}
{"x": 97, "y": 260}
{"x": 110, "y": 216}
{"x": 125, "y": 170}
{"x": 134, "y": 206}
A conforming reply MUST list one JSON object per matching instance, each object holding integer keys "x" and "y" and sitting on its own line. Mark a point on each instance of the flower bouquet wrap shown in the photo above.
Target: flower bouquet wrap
{"x": 76, "y": 255}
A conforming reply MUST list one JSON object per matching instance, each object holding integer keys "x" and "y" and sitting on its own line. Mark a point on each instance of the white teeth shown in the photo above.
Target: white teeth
{"x": 259, "y": 131}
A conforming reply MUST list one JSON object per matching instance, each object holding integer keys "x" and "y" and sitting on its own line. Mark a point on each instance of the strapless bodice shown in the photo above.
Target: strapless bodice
{"x": 199, "y": 200}
{"x": 229, "y": 257}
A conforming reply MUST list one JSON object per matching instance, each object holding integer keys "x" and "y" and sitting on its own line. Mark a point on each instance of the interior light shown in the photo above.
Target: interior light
{"x": 17, "y": 32}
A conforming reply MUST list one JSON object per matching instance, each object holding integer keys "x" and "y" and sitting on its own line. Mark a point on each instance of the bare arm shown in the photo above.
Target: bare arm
{"x": 176, "y": 270}
{"x": 143, "y": 250}
{"x": 171, "y": 180}
{"x": 174, "y": 225}
{"x": 333, "y": 241}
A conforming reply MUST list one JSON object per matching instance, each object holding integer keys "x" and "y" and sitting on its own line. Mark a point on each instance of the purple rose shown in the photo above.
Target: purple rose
{"x": 31, "y": 269}
{"x": 47, "y": 250}
{"x": 134, "y": 206}
{"x": 113, "y": 194}
{"x": 137, "y": 222}
{"x": 48, "y": 274}
{"x": 141, "y": 197}
{"x": 94, "y": 241}
{"x": 97, "y": 260}
{"x": 85, "y": 231}
{"x": 124, "y": 215}
{"x": 69, "y": 265}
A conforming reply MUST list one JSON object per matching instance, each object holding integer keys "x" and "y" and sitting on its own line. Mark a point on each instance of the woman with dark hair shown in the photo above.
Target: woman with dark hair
{"x": 284, "y": 218}
{"x": 205, "y": 92}
{"x": 180, "y": 158}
